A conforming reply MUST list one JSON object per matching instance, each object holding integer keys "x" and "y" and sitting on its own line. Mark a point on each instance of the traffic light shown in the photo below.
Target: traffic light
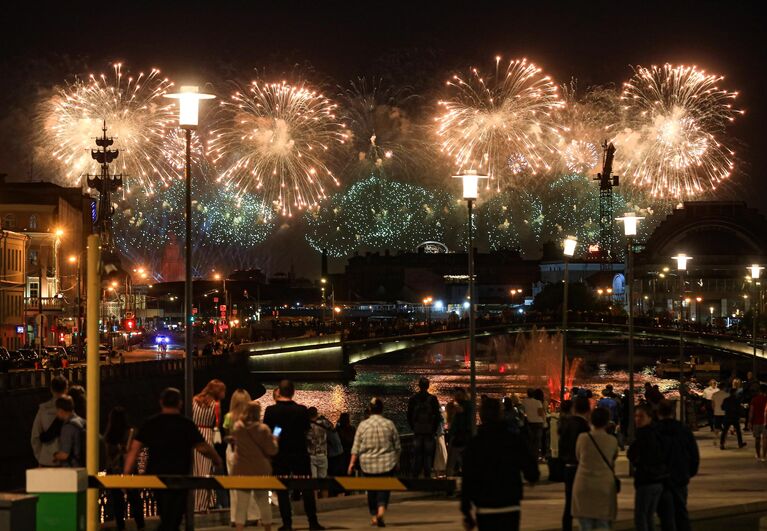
{"x": 129, "y": 324}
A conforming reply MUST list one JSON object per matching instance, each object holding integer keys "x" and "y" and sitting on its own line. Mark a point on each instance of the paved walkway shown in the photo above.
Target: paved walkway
{"x": 730, "y": 482}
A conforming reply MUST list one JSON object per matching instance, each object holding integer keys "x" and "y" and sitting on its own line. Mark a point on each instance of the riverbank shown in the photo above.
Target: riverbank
{"x": 729, "y": 488}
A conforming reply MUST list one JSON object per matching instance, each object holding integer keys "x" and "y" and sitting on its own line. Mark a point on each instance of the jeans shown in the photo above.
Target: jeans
{"x": 117, "y": 499}
{"x": 378, "y": 498}
{"x": 294, "y": 465}
{"x": 567, "y": 517}
{"x": 423, "y": 454}
{"x": 672, "y": 509}
{"x": 535, "y": 437}
{"x": 646, "y": 498}
{"x": 171, "y": 506}
{"x": 498, "y": 522}
{"x": 735, "y": 423}
{"x": 319, "y": 464}
{"x": 587, "y": 524}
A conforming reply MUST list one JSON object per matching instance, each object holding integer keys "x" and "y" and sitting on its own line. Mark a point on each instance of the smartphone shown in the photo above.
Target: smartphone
{"x": 277, "y": 431}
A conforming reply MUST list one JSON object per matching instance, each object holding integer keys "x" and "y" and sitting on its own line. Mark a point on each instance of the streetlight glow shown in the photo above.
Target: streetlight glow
{"x": 630, "y": 221}
{"x": 681, "y": 261}
{"x": 570, "y": 243}
{"x": 756, "y": 271}
{"x": 470, "y": 179}
{"x": 189, "y": 105}
{"x": 72, "y": 259}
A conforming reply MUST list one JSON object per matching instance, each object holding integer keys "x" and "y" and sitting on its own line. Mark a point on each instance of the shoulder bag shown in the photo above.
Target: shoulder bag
{"x": 616, "y": 478}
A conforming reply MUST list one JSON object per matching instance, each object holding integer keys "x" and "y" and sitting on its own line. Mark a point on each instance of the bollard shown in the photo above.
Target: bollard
{"x": 60, "y": 497}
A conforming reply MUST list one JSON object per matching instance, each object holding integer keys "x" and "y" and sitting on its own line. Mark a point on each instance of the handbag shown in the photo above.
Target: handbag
{"x": 616, "y": 478}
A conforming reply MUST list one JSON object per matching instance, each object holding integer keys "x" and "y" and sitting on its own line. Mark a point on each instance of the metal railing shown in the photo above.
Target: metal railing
{"x": 46, "y": 304}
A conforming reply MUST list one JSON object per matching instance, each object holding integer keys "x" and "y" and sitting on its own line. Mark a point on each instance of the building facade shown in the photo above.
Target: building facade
{"x": 13, "y": 271}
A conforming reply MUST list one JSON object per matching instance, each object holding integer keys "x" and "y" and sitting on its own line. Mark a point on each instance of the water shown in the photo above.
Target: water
{"x": 500, "y": 372}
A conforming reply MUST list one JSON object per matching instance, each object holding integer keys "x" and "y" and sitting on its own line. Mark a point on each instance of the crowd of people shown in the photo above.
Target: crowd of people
{"x": 514, "y": 437}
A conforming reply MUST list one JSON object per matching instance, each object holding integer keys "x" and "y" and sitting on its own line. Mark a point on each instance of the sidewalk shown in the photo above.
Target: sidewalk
{"x": 730, "y": 483}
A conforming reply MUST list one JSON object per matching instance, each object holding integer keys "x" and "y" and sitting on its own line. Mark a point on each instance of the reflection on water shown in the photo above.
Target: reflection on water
{"x": 446, "y": 366}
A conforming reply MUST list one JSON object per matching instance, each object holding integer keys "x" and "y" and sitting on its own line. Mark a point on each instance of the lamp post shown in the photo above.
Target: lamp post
{"x": 427, "y": 306}
{"x": 681, "y": 266}
{"x": 756, "y": 272}
{"x": 74, "y": 259}
{"x": 323, "y": 282}
{"x": 470, "y": 180}
{"x": 569, "y": 245}
{"x": 188, "y": 118}
{"x": 630, "y": 222}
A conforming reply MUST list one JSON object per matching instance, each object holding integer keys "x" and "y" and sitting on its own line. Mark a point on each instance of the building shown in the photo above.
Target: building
{"x": 13, "y": 273}
{"x": 56, "y": 221}
{"x": 723, "y": 238}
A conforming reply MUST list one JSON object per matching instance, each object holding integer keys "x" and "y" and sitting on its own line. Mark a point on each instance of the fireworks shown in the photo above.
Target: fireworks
{"x": 275, "y": 141}
{"x": 378, "y": 213}
{"x": 136, "y": 115}
{"x": 677, "y": 114}
{"x": 506, "y": 118}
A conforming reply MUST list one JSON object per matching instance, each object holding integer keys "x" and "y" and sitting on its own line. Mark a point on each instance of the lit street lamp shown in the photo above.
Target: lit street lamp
{"x": 681, "y": 266}
{"x": 630, "y": 222}
{"x": 427, "y": 306}
{"x": 569, "y": 245}
{"x": 188, "y": 117}
{"x": 470, "y": 180}
{"x": 756, "y": 272}
{"x": 75, "y": 259}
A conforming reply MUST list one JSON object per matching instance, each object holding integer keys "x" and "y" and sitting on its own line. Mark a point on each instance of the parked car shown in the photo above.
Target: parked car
{"x": 73, "y": 353}
{"x": 56, "y": 357}
{"x": 5, "y": 360}
{"x": 28, "y": 357}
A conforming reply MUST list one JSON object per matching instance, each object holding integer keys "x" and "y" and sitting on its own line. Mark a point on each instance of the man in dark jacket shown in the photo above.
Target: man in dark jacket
{"x": 424, "y": 417}
{"x": 493, "y": 462}
{"x": 569, "y": 429}
{"x": 682, "y": 460}
{"x": 293, "y": 455}
{"x": 732, "y": 408}
{"x": 648, "y": 459}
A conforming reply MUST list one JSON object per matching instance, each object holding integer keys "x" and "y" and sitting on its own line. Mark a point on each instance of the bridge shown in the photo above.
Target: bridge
{"x": 332, "y": 356}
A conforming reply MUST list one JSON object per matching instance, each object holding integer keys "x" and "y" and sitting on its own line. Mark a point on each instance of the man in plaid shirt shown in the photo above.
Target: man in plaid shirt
{"x": 377, "y": 447}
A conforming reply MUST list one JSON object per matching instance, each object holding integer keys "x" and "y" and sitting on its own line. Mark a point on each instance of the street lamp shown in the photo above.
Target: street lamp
{"x": 630, "y": 222}
{"x": 569, "y": 245}
{"x": 470, "y": 180}
{"x": 681, "y": 266}
{"x": 756, "y": 272}
{"x": 74, "y": 259}
{"x": 188, "y": 117}
{"x": 427, "y": 306}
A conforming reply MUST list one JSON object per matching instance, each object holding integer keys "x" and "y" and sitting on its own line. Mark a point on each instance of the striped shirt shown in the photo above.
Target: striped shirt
{"x": 377, "y": 445}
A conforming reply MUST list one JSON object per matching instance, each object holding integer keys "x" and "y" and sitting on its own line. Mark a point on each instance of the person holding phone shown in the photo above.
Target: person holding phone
{"x": 292, "y": 459}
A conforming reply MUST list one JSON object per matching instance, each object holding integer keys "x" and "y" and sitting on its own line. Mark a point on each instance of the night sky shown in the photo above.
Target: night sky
{"x": 418, "y": 43}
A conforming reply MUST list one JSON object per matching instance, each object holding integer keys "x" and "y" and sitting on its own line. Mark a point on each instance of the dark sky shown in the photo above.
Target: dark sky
{"x": 419, "y": 42}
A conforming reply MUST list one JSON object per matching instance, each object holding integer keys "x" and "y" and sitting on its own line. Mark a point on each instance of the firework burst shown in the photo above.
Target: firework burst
{"x": 489, "y": 122}
{"x": 275, "y": 140}
{"x": 135, "y": 114}
{"x": 676, "y": 116}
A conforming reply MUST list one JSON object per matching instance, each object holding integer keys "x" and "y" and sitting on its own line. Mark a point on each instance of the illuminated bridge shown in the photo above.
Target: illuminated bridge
{"x": 331, "y": 357}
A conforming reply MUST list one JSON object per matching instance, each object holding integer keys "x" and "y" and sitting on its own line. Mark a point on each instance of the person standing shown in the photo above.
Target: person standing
{"x": 238, "y": 403}
{"x": 293, "y": 456}
{"x": 346, "y": 431}
{"x": 570, "y": 429}
{"x": 536, "y": 417}
{"x": 682, "y": 461}
{"x": 423, "y": 416}
{"x": 254, "y": 447}
{"x": 708, "y": 394}
{"x": 117, "y": 439}
{"x": 377, "y": 449}
{"x": 717, "y": 399}
{"x": 71, "y": 452}
{"x": 756, "y": 412}
{"x": 595, "y": 493}
{"x": 458, "y": 432}
{"x": 648, "y": 460}
{"x": 731, "y": 406}
{"x": 170, "y": 438}
{"x": 317, "y": 443}
{"x": 493, "y": 465}
{"x": 206, "y": 414}
{"x": 46, "y": 427}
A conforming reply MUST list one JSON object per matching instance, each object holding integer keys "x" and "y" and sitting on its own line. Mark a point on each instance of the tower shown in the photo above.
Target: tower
{"x": 105, "y": 184}
{"x": 606, "y": 183}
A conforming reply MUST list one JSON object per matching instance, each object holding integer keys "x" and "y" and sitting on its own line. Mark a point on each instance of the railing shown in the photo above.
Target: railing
{"x": 41, "y": 378}
{"x": 46, "y": 304}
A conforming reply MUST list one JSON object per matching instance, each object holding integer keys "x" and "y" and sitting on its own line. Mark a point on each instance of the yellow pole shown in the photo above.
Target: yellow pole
{"x": 93, "y": 377}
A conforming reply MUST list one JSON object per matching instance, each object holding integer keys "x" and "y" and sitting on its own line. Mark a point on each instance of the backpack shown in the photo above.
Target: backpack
{"x": 424, "y": 418}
